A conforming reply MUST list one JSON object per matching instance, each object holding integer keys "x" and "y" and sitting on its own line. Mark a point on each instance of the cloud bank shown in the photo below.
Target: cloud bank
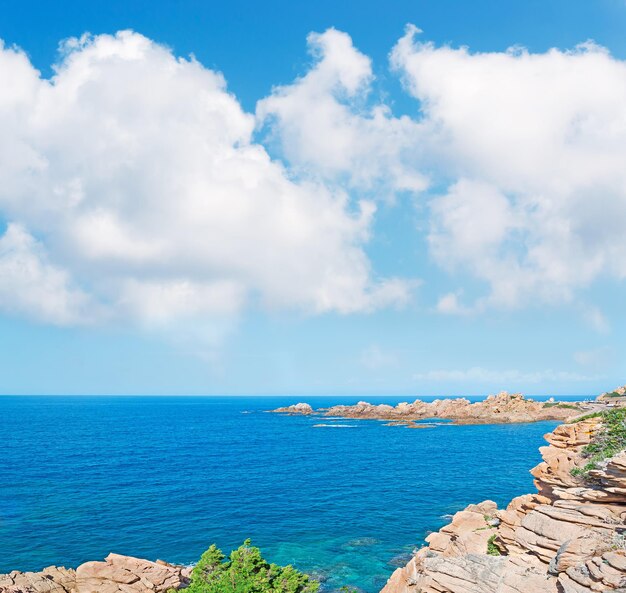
{"x": 499, "y": 377}
{"x": 135, "y": 187}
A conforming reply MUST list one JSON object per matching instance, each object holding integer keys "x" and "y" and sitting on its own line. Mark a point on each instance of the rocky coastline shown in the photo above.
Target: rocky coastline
{"x": 503, "y": 408}
{"x": 568, "y": 537}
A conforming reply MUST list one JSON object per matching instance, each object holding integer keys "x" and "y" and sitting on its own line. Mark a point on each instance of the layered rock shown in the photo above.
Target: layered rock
{"x": 501, "y": 408}
{"x": 569, "y": 537}
{"x": 117, "y": 574}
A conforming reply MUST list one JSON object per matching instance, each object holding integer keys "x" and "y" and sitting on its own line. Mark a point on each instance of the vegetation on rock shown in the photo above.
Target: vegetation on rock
{"x": 246, "y": 571}
{"x": 492, "y": 549}
{"x": 608, "y": 441}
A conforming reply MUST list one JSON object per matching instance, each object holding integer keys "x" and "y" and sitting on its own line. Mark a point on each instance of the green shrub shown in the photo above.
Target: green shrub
{"x": 607, "y": 442}
{"x": 492, "y": 549}
{"x": 246, "y": 571}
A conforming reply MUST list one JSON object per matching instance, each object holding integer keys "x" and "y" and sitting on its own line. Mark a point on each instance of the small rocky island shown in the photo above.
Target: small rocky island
{"x": 503, "y": 408}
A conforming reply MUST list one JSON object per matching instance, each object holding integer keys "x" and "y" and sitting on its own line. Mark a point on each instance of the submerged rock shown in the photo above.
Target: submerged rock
{"x": 361, "y": 542}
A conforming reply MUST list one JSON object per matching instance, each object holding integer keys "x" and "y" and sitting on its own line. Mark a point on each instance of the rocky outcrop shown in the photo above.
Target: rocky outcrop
{"x": 501, "y": 408}
{"x": 50, "y": 580}
{"x": 569, "y": 537}
{"x": 618, "y": 394}
{"x": 117, "y": 574}
{"x": 302, "y": 409}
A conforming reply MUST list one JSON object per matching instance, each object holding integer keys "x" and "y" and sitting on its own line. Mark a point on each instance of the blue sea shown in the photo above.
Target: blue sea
{"x": 164, "y": 477}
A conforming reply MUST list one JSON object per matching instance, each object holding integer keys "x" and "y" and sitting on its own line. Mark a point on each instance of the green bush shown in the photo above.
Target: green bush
{"x": 492, "y": 549}
{"x": 607, "y": 442}
{"x": 246, "y": 572}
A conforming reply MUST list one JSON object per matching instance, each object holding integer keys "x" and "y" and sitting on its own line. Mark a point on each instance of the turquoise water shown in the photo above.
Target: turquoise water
{"x": 164, "y": 477}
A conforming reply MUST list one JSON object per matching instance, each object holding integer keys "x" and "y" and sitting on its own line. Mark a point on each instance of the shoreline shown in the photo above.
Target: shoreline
{"x": 468, "y": 533}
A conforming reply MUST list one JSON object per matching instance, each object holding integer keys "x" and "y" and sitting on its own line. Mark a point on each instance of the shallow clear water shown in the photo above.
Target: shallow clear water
{"x": 164, "y": 477}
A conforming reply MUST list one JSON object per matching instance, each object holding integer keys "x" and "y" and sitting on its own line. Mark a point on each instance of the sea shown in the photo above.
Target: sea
{"x": 165, "y": 477}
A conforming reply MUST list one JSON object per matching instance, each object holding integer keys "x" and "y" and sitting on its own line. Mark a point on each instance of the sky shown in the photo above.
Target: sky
{"x": 402, "y": 198}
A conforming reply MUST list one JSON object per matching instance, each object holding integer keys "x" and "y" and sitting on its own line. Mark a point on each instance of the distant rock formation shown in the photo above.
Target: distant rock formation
{"x": 569, "y": 537}
{"x": 302, "y": 409}
{"x": 502, "y": 408}
{"x": 117, "y": 574}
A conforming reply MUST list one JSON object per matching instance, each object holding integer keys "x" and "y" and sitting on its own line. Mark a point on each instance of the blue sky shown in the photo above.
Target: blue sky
{"x": 354, "y": 209}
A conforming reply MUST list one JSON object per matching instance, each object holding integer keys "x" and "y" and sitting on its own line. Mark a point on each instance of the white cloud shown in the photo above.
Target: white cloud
{"x": 534, "y": 146}
{"x": 326, "y": 127}
{"x": 32, "y": 286}
{"x": 450, "y": 304}
{"x": 529, "y": 149}
{"x": 137, "y": 178}
{"x": 483, "y": 375}
{"x": 138, "y": 175}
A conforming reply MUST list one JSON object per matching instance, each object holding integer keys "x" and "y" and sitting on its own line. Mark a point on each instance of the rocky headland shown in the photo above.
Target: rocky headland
{"x": 501, "y": 408}
{"x": 568, "y": 537}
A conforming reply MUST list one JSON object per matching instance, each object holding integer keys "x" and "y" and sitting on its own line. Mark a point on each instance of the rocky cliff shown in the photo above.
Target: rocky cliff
{"x": 117, "y": 574}
{"x": 568, "y": 537}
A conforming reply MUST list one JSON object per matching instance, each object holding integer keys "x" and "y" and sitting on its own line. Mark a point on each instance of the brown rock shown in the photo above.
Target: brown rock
{"x": 117, "y": 574}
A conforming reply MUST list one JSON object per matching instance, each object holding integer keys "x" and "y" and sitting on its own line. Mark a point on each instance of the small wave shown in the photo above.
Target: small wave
{"x": 334, "y": 426}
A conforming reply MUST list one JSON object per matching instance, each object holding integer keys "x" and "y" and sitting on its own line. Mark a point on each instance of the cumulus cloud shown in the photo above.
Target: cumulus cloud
{"x": 526, "y": 152}
{"x": 134, "y": 190}
{"x": 532, "y": 146}
{"x": 326, "y": 127}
